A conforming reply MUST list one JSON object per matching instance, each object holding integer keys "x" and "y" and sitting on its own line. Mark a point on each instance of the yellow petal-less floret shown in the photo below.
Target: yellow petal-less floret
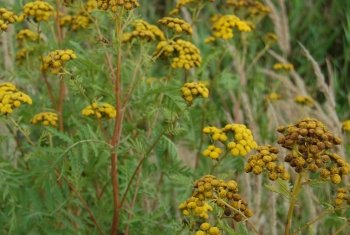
{"x": 45, "y": 118}
{"x": 6, "y": 18}
{"x": 11, "y": 98}
{"x": 143, "y": 30}
{"x": 56, "y": 60}
{"x": 39, "y": 10}
{"x": 177, "y": 24}
{"x": 100, "y": 110}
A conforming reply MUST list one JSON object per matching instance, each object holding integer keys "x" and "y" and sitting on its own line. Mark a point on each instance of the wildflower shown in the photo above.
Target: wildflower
{"x": 100, "y": 110}
{"x": 27, "y": 34}
{"x": 192, "y": 90}
{"x": 266, "y": 159}
{"x": 223, "y": 25}
{"x": 310, "y": 144}
{"x": 346, "y": 125}
{"x": 212, "y": 152}
{"x": 304, "y": 100}
{"x": 56, "y": 60}
{"x": 39, "y": 10}
{"x": 343, "y": 195}
{"x": 179, "y": 25}
{"x": 6, "y": 17}
{"x": 144, "y": 30}
{"x": 11, "y": 98}
{"x": 273, "y": 96}
{"x": 22, "y": 53}
{"x": 283, "y": 66}
{"x": 46, "y": 118}
{"x": 253, "y": 7}
{"x": 186, "y": 55}
{"x": 114, "y": 4}
{"x": 270, "y": 38}
{"x": 75, "y": 22}
{"x": 218, "y": 192}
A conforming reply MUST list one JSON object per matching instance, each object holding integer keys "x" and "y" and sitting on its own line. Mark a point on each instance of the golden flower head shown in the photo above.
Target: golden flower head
{"x": 6, "y": 17}
{"x": 11, "y": 98}
{"x": 39, "y": 10}
{"x": 27, "y": 34}
{"x": 114, "y": 4}
{"x": 192, "y": 90}
{"x": 223, "y": 25}
{"x": 56, "y": 60}
{"x": 179, "y": 25}
{"x": 346, "y": 125}
{"x": 283, "y": 66}
{"x": 185, "y": 54}
{"x": 144, "y": 30}
{"x": 304, "y": 100}
{"x": 100, "y": 110}
{"x": 46, "y": 118}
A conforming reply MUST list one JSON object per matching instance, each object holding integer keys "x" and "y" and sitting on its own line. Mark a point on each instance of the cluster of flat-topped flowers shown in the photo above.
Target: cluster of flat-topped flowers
{"x": 310, "y": 147}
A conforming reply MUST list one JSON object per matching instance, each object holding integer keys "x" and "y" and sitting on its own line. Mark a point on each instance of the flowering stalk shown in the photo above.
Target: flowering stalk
{"x": 117, "y": 128}
{"x": 294, "y": 198}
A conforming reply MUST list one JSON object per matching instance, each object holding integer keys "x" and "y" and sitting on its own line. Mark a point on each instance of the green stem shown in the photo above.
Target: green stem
{"x": 294, "y": 198}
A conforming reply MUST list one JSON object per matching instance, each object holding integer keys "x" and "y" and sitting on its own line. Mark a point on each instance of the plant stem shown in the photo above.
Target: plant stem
{"x": 294, "y": 197}
{"x": 117, "y": 128}
{"x": 60, "y": 104}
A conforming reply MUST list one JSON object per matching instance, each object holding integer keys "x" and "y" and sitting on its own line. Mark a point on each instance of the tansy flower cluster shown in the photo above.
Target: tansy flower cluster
{"x": 304, "y": 100}
{"x": 273, "y": 96}
{"x": 183, "y": 3}
{"x": 223, "y": 25}
{"x": 46, "y": 118}
{"x": 6, "y": 17}
{"x": 346, "y": 125}
{"x": 208, "y": 229}
{"x": 310, "y": 145}
{"x": 11, "y": 98}
{"x": 266, "y": 159}
{"x": 39, "y": 10}
{"x": 186, "y": 55}
{"x": 27, "y": 34}
{"x": 22, "y": 53}
{"x": 114, "y": 4}
{"x": 144, "y": 30}
{"x": 283, "y": 66}
{"x": 90, "y": 5}
{"x": 342, "y": 196}
{"x": 192, "y": 90}
{"x": 223, "y": 194}
{"x": 56, "y": 60}
{"x": 179, "y": 25}
{"x": 75, "y": 22}
{"x": 241, "y": 141}
{"x": 252, "y": 6}
{"x": 100, "y": 110}
{"x": 212, "y": 151}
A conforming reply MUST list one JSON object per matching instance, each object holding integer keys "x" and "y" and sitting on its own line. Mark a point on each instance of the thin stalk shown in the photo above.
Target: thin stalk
{"x": 117, "y": 127}
{"x": 60, "y": 104}
{"x": 294, "y": 198}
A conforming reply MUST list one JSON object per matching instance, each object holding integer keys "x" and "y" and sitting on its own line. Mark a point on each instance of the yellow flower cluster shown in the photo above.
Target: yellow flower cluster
{"x": 186, "y": 55}
{"x": 207, "y": 229}
{"x": 100, "y": 110}
{"x": 6, "y": 17}
{"x": 346, "y": 125}
{"x": 46, "y": 118}
{"x": 343, "y": 195}
{"x": 242, "y": 141}
{"x": 252, "y": 6}
{"x": 90, "y": 5}
{"x": 304, "y": 100}
{"x": 223, "y": 194}
{"x": 75, "y": 22}
{"x": 114, "y": 4}
{"x": 56, "y": 60}
{"x": 273, "y": 96}
{"x": 192, "y": 90}
{"x": 22, "y": 53}
{"x": 223, "y": 25}
{"x": 144, "y": 30}
{"x": 212, "y": 151}
{"x": 39, "y": 10}
{"x": 266, "y": 159}
{"x": 183, "y": 3}
{"x": 195, "y": 207}
{"x": 310, "y": 145}
{"x": 283, "y": 66}
{"x": 11, "y": 98}
{"x": 27, "y": 34}
{"x": 179, "y": 25}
